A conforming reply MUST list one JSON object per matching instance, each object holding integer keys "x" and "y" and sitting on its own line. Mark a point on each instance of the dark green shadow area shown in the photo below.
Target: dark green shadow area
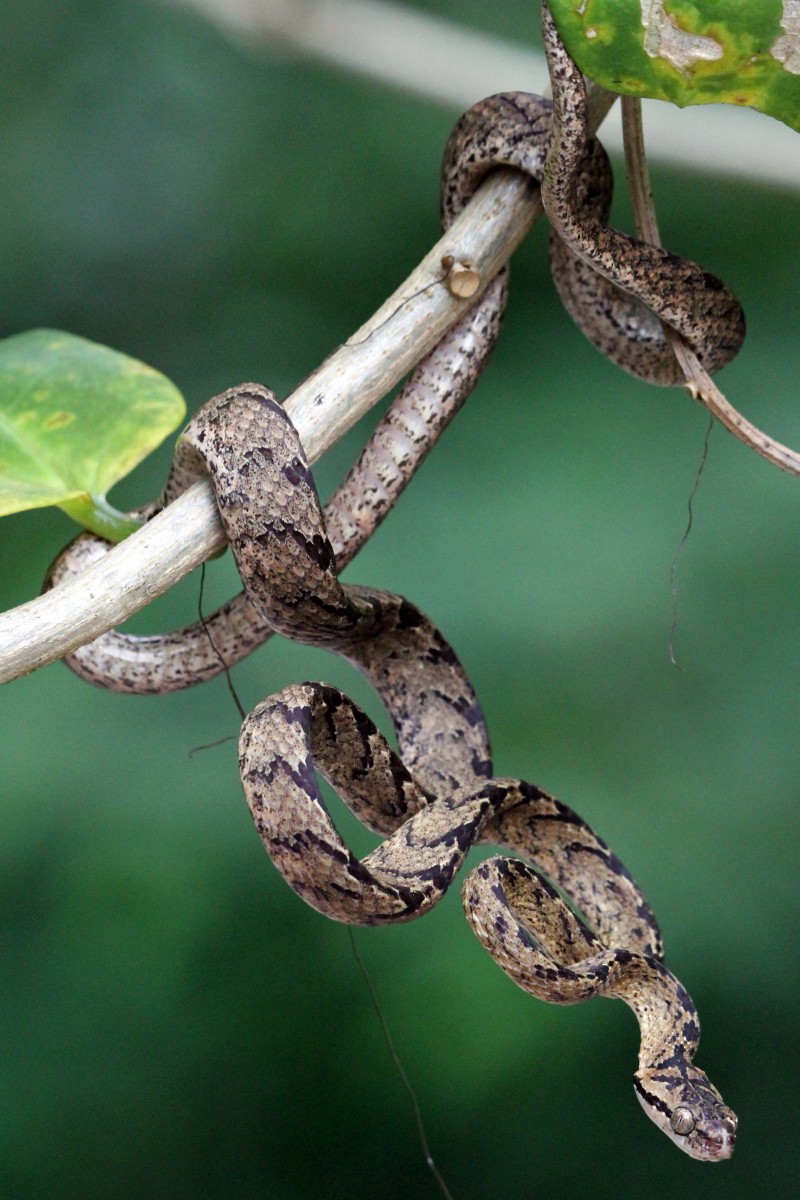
{"x": 173, "y": 1022}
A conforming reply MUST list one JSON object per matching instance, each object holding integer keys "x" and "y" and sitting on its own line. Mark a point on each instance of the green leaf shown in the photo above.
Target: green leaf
{"x": 75, "y": 417}
{"x": 744, "y": 52}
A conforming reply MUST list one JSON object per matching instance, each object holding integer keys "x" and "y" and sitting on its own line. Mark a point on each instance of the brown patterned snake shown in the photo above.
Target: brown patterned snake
{"x": 437, "y": 798}
{"x": 605, "y": 279}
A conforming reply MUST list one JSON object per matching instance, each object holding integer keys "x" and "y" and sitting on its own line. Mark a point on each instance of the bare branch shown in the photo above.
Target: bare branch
{"x": 325, "y": 405}
{"x": 323, "y": 408}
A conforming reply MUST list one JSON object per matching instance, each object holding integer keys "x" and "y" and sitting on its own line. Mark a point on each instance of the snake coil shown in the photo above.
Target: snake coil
{"x": 437, "y": 797}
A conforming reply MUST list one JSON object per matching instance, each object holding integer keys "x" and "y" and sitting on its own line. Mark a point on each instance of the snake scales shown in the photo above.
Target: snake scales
{"x": 437, "y": 797}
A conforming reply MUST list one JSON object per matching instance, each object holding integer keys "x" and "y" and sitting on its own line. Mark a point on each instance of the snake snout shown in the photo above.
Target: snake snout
{"x": 716, "y": 1143}
{"x": 689, "y": 1110}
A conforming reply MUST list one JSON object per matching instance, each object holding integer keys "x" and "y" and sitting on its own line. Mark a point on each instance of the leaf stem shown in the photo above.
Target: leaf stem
{"x": 98, "y": 516}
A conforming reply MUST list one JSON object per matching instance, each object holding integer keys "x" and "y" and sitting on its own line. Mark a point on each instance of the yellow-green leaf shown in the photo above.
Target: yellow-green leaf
{"x": 744, "y": 52}
{"x": 75, "y": 417}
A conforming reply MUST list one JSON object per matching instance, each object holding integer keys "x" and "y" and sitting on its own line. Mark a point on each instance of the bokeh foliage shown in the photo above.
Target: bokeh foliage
{"x": 174, "y": 1023}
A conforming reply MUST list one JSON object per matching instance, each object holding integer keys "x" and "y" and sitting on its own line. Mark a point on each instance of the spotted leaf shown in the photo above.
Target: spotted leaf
{"x": 744, "y": 52}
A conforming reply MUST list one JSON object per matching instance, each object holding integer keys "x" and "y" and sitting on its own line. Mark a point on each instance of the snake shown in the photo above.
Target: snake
{"x": 436, "y": 797}
{"x": 617, "y": 289}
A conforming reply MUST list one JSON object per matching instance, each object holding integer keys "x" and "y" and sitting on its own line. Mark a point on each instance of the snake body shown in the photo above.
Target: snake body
{"x": 437, "y": 796}
{"x": 616, "y": 288}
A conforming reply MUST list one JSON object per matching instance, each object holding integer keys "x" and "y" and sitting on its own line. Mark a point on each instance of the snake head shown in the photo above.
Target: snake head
{"x": 686, "y": 1106}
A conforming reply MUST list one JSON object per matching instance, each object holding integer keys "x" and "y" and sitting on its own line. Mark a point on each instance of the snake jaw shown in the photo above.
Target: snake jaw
{"x": 708, "y": 1125}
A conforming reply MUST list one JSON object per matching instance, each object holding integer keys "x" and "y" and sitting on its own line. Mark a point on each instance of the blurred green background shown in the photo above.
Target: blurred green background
{"x": 173, "y": 1021}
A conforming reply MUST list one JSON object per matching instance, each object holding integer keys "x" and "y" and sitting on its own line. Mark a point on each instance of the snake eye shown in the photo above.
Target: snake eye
{"x": 682, "y": 1121}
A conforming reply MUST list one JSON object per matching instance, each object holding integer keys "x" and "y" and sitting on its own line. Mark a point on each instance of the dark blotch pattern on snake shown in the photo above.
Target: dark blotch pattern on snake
{"x": 647, "y": 284}
{"x": 437, "y": 797}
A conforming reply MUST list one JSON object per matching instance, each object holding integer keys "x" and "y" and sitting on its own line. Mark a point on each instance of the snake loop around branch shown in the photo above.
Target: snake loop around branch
{"x": 647, "y": 284}
{"x": 617, "y": 289}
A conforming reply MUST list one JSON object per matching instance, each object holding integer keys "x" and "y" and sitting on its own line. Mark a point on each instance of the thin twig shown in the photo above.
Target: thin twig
{"x": 215, "y": 648}
{"x": 401, "y": 1071}
{"x": 673, "y": 566}
{"x": 698, "y": 382}
{"x": 644, "y": 214}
